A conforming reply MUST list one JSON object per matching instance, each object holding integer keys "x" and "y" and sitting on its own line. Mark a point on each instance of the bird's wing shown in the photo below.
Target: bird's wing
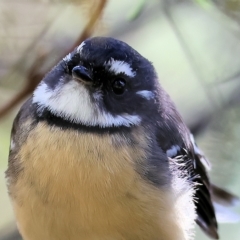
{"x": 208, "y": 197}
{"x": 176, "y": 141}
{"x": 204, "y": 203}
{"x": 192, "y": 162}
{"x": 22, "y": 125}
{"x": 221, "y": 199}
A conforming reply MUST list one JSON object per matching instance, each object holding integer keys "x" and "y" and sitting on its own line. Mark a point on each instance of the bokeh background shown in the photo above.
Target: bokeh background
{"x": 194, "y": 45}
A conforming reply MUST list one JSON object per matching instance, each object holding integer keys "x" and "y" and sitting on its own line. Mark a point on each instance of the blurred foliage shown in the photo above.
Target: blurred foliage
{"x": 138, "y": 10}
{"x": 230, "y": 7}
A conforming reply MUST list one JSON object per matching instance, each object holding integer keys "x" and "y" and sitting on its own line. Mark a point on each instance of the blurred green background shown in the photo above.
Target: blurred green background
{"x": 194, "y": 45}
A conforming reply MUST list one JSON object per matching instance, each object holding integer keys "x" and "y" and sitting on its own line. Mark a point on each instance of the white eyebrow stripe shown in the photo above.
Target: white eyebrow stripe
{"x": 146, "y": 94}
{"x": 80, "y": 47}
{"x": 117, "y": 66}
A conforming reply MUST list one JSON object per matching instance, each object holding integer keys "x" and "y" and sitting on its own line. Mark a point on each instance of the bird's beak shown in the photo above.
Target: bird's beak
{"x": 82, "y": 74}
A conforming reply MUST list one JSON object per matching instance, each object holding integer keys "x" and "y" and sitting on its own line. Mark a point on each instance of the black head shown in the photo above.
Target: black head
{"x": 103, "y": 82}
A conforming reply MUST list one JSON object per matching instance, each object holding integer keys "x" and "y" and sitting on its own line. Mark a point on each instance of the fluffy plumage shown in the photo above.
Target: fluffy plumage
{"x": 100, "y": 152}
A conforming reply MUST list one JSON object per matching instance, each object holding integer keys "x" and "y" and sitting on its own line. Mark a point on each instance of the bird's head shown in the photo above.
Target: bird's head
{"x": 103, "y": 82}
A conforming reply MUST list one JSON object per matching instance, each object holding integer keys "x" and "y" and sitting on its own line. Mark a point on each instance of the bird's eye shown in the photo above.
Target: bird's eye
{"x": 119, "y": 86}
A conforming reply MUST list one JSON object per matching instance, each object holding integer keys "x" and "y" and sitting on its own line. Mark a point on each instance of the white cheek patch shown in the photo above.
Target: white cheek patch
{"x": 117, "y": 67}
{"x": 64, "y": 100}
{"x": 80, "y": 47}
{"x": 172, "y": 152}
{"x": 146, "y": 94}
{"x": 72, "y": 102}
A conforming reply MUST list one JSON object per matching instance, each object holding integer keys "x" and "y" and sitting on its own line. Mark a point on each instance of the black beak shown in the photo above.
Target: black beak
{"x": 82, "y": 74}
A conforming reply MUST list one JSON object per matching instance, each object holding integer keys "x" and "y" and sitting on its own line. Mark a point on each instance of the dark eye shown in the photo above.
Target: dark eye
{"x": 119, "y": 86}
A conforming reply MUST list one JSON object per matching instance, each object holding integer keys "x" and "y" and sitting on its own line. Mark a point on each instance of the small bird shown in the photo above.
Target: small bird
{"x": 100, "y": 152}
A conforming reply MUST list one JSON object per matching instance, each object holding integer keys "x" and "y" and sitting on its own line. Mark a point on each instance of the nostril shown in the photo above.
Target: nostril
{"x": 82, "y": 73}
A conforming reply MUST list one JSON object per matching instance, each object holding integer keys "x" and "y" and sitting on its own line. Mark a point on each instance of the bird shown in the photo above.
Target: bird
{"x": 99, "y": 151}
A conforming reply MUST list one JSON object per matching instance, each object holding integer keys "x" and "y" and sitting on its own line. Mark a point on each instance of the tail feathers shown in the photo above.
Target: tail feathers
{"x": 223, "y": 197}
{"x": 223, "y": 200}
{"x": 225, "y": 215}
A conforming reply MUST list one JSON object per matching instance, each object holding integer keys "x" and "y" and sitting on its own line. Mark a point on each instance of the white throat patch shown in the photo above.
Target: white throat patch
{"x": 71, "y": 101}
